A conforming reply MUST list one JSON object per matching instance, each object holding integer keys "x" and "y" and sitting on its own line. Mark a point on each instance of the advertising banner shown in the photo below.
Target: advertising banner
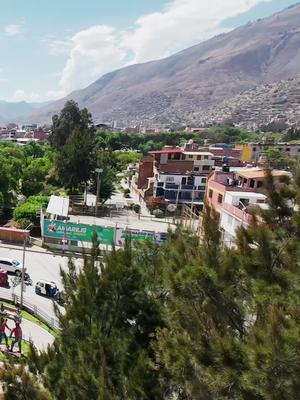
{"x": 78, "y": 232}
{"x": 134, "y": 234}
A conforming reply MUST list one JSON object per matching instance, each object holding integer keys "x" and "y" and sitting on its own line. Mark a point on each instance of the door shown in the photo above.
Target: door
{"x": 7, "y": 266}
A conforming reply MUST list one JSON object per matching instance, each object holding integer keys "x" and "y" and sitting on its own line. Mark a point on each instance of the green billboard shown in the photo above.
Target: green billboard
{"x": 78, "y": 232}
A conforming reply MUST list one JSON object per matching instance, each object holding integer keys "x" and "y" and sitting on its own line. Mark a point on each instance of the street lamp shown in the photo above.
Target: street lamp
{"x": 23, "y": 265}
{"x": 98, "y": 171}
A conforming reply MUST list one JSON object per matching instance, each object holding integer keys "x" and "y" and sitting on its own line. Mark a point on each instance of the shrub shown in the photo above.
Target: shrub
{"x": 29, "y": 209}
{"x": 23, "y": 223}
{"x": 136, "y": 208}
{"x": 41, "y": 201}
{"x": 26, "y": 211}
{"x": 126, "y": 195}
{"x": 158, "y": 213}
{"x": 126, "y": 191}
{"x": 130, "y": 204}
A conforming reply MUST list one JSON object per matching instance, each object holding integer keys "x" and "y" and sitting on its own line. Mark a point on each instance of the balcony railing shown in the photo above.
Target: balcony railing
{"x": 238, "y": 213}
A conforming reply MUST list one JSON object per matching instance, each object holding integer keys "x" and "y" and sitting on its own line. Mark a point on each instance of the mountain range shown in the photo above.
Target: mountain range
{"x": 181, "y": 87}
{"x": 11, "y": 111}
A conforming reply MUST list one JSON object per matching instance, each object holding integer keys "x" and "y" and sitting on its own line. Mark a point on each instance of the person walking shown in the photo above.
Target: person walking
{"x": 3, "y": 325}
{"x": 17, "y": 332}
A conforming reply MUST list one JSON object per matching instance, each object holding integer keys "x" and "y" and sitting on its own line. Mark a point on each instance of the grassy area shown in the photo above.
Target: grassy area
{"x": 25, "y": 345}
{"x": 32, "y": 318}
{"x": 25, "y": 349}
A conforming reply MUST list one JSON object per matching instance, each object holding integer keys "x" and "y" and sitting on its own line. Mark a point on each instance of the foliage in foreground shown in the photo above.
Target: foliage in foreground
{"x": 189, "y": 320}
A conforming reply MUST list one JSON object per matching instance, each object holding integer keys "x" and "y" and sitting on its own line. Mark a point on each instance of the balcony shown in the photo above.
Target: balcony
{"x": 187, "y": 187}
{"x": 238, "y": 213}
{"x": 171, "y": 186}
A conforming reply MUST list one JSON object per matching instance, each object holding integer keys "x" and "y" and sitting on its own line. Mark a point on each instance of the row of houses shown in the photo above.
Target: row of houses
{"x": 178, "y": 175}
{"x": 191, "y": 176}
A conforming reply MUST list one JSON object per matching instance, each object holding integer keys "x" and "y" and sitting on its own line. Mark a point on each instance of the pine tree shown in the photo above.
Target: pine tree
{"x": 269, "y": 252}
{"x": 200, "y": 349}
{"x": 104, "y": 348}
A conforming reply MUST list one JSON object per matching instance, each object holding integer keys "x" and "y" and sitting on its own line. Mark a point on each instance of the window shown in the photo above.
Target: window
{"x": 190, "y": 180}
{"x": 260, "y": 184}
{"x": 245, "y": 181}
{"x": 201, "y": 187}
{"x": 205, "y": 157}
{"x": 252, "y": 183}
{"x": 220, "y": 198}
{"x": 203, "y": 180}
{"x": 205, "y": 168}
{"x": 254, "y": 148}
{"x": 169, "y": 179}
{"x": 210, "y": 194}
{"x": 191, "y": 156}
{"x": 196, "y": 169}
{"x": 287, "y": 149}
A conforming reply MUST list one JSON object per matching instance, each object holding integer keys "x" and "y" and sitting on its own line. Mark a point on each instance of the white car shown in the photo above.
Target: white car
{"x": 10, "y": 265}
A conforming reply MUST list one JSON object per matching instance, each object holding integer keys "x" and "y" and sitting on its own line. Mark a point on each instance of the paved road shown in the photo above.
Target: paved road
{"x": 40, "y": 264}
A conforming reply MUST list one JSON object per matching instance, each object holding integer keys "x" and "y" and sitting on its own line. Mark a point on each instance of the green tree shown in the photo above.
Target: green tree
{"x": 278, "y": 160}
{"x": 69, "y": 119}
{"x": 104, "y": 348}
{"x": 76, "y": 160}
{"x": 201, "y": 347}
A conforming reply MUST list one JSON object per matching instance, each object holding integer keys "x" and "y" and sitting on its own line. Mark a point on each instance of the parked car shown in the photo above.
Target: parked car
{"x": 3, "y": 278}
{"x": 11, "y": 265}
{"x": 46, "y": 288}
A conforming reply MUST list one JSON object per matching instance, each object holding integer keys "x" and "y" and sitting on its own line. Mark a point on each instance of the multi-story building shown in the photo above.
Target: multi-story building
{"x": 250, "y": 152}
{"x": 178, "y": 175}
{"x": 235, "y": 212}
{"x": 233, "y": 194}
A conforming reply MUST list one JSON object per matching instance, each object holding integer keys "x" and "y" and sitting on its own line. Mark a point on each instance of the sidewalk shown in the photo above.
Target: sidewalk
{"x": 40, "y": 337}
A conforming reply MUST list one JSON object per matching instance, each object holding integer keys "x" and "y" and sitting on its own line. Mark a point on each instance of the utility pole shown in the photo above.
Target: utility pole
{"x": 98, "y": 171}
{"x": 23, "y": 266}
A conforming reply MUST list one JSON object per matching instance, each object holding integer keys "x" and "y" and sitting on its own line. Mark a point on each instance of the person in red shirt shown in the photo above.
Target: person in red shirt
{"x": 17, "y": 332}
{"x": 3, "y": 325}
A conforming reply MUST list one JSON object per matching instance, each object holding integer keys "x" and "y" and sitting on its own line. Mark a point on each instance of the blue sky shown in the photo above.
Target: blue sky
{"x": 49, "y": 48}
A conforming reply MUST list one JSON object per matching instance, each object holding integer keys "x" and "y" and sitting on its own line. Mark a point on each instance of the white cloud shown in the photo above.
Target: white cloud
{"x": 95, "y": 51}
{"x": 101, "y": 49}
{"x": 182, "y": 24}
{"x": 12, "y": 29}
{"x": 31, "y": 97}
{"x": 58, "y": 47}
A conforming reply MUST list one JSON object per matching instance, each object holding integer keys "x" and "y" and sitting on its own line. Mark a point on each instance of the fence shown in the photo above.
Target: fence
{"x": 42, "y": 315}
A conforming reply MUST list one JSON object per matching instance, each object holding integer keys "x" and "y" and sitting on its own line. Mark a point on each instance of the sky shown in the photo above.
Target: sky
{"x": 50, "y": 48}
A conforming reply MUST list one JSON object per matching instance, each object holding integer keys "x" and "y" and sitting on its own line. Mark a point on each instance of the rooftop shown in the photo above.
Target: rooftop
{"x": 167, "y": 150}
{"x": 198, "y": 152}
{"x": 248, "y": 195}
{"x": 259, "y": 173}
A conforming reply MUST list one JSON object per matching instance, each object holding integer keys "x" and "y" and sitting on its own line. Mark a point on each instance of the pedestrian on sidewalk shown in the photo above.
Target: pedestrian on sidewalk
{"x": 18, "y": 317}
{"x": 3, "y": 325}
{"x": 17, "y": 332}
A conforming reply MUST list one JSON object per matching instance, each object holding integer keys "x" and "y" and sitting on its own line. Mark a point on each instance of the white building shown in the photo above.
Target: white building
{"x": 235, "y": 212}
